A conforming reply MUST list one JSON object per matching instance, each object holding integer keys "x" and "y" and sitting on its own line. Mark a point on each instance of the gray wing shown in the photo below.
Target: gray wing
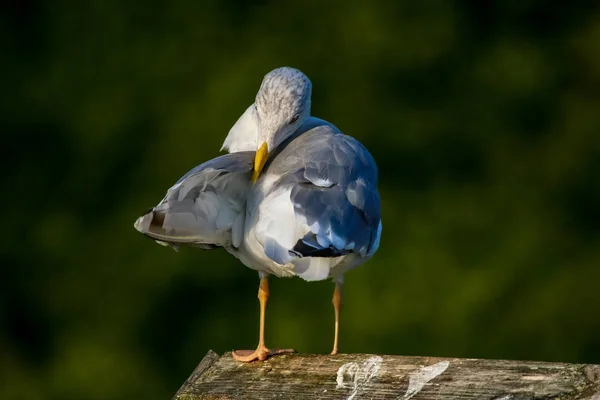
{"x": 204, "y": 206}
{"x": 335, "y": 191}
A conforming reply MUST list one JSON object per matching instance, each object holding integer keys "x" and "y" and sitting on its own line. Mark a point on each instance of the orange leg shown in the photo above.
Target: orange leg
{"x": 262, "y": 352}
{"x": 337, "y": 306}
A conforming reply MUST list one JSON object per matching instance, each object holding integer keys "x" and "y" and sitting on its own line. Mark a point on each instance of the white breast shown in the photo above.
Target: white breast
{"x": 271, "y": 219}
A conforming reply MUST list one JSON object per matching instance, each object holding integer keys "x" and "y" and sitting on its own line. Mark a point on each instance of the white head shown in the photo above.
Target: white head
{"x": 282, "y": 105}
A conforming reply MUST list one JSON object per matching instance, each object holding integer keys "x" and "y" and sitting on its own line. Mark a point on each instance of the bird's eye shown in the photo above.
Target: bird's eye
{"x": 294, "y": 119}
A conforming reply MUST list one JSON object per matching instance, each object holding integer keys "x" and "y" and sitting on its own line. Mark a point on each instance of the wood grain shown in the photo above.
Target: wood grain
{"x": 369, "y": 376}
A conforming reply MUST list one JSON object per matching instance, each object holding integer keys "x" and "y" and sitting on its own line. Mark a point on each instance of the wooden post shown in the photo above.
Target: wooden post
{"x": 370, "y": 376}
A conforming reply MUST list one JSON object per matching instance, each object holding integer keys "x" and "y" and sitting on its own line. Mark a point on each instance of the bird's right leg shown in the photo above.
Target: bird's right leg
{"x": 337, "y": 307}
{"x": 262, "y": 352}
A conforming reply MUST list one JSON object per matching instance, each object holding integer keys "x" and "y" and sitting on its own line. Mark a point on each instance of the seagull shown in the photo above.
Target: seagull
{"x": 293, "y": 197}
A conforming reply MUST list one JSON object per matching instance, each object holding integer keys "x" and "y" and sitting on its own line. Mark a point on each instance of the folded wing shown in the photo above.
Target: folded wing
{"x": 324, "y": 206}
{"x": 205, "y": 208}
{"x": 336, "y": 194}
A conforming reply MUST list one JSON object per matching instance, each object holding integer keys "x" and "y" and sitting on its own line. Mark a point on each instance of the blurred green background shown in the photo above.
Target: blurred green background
{"x": 484, "y": 118}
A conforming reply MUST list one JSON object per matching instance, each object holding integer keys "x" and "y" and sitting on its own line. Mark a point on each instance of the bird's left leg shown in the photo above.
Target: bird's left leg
{"x": 337, "y": 306}
{"x": 262, "y": 352}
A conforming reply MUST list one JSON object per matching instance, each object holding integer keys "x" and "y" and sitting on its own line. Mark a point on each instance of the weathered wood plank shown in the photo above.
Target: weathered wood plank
{"x": 368, "y": 376}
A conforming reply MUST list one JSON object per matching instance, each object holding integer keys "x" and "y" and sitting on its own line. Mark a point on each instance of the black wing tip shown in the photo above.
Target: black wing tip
{"x": 302, "y": 249}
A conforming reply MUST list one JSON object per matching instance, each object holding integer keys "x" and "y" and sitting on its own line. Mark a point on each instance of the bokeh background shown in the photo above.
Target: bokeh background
{"x": 484, "y": 118}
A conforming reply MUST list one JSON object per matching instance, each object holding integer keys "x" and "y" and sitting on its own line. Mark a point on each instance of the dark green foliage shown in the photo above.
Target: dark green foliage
{"x": 484, "y": 118}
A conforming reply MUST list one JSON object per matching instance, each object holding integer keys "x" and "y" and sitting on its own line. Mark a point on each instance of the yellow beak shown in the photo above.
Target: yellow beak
{"x": 259, "y": 161}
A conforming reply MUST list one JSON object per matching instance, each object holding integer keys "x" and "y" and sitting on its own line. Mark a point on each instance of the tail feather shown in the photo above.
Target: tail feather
{"x": 203, "y": 208}
{"x": 151, "y": 225}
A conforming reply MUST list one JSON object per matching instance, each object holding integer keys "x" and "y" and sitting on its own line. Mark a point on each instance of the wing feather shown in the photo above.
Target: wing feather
{"x": 337, "y": 195}
{"x": 203, "y": 208}
{"x": 332, "y": 184}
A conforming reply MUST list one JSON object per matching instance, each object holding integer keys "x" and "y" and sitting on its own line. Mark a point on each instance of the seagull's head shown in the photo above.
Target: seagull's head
{"x": 282, "y": 105}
